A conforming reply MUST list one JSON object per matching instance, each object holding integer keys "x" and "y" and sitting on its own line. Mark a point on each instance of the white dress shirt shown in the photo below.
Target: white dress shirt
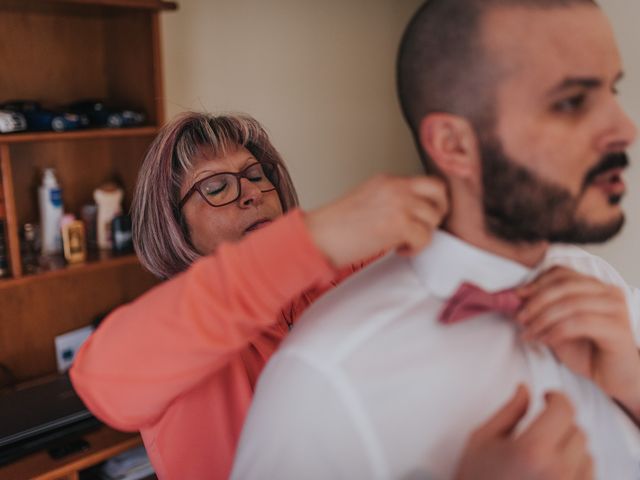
{"x": 370, "y": 386}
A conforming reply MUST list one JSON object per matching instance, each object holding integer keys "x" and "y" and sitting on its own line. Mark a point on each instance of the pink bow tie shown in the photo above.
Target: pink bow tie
{"x": 470, "y": 301}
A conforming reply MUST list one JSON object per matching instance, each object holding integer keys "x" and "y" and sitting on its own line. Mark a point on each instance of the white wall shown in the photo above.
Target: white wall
{"x": 319, "y": 74}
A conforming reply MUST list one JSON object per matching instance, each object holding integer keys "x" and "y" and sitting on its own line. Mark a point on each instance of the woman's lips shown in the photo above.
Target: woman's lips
{"x": 257, "y": 225}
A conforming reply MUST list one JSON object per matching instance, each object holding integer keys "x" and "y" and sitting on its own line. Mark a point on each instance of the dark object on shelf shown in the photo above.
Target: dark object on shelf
{"x": 102, "y": 116}
{"x": 41, "y": 119}
{"x": 30, "y": 248}
{"x": 122, "y": 237}
{"x": 41, "y": 415}
{"x": 12, "y": 121}
{"x": 61, "y": 450}
{"x": 53, "y": 439}
{"x": 89, "y": 215}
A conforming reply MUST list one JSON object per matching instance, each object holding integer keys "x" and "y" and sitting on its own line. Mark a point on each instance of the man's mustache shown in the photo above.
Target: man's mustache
{"x": 608, "y": 162}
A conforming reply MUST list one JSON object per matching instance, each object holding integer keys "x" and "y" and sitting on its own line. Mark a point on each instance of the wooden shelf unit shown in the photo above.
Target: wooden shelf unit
{"x": 57, "y": 52}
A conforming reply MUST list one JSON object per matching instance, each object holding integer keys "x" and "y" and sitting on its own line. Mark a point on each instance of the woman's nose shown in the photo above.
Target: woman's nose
{"x": 249, "y": 193}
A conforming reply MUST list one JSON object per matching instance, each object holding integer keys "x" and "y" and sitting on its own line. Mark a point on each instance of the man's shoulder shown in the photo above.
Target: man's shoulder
{"x": 356, "y": 310}
{"x": 580, "y": 260}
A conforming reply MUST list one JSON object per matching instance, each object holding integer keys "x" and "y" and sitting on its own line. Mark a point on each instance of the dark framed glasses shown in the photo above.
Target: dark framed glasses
{"x": 223, "y": 188}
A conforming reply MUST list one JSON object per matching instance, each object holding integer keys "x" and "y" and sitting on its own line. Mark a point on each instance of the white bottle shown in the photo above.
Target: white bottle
{"x": 50, "y": 200}
{"x": 109, "y": 200}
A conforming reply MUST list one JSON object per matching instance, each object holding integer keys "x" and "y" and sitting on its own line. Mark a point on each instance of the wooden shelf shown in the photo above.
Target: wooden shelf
{"x": 156, "y": 5}
{"x": 91, "y": 265}
{"x": 144, "y": 4}
{"x": 104, "y": 443}
{"x": 78, "y": 134}
{"x": 60, "y": 51}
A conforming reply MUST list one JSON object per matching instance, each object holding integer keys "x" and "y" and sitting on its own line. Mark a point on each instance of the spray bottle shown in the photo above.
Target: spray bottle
{"x": 50, "y": 199}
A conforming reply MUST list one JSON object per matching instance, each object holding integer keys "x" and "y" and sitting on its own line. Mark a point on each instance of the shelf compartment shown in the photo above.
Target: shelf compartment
{"x": 81, "y": 167}
{"x": 37, "y": 308}
{"x": 59, "y": 57}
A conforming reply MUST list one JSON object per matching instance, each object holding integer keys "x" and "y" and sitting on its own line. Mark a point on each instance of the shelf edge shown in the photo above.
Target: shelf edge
{"x": 68, "y": 270}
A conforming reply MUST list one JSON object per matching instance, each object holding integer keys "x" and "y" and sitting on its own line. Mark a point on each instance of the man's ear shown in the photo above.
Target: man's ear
{"x": 451, "y": 143}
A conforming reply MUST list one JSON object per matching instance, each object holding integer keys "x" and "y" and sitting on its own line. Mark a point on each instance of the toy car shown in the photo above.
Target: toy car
{"x": 40, "y": 119}
{"x": 102, "y": 116}
{"x": 12, "y": 121}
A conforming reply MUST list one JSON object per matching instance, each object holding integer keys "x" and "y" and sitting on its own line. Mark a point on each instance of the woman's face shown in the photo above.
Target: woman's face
{"x": 209, "y": 226}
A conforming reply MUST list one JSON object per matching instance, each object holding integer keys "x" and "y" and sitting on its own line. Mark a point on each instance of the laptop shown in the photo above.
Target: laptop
{"x": 39, "y": 415}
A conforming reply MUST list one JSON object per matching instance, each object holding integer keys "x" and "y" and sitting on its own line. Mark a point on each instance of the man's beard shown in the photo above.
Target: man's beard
{"x": 519, "y": 206}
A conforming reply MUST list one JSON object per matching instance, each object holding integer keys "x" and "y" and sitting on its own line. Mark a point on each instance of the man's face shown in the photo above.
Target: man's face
{"x": 553, "y": 163}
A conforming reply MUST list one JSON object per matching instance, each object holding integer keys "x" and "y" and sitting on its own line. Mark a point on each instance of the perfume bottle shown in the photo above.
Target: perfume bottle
{"x": 108, "y": 197}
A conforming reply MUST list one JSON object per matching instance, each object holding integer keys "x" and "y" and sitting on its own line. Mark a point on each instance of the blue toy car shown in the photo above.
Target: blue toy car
{"x": 102, "y": 116}
{"x": 40, "y": 119}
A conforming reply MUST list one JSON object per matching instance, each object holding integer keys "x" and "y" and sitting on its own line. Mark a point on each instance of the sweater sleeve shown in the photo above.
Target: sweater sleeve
{"x": 148, "y": 352}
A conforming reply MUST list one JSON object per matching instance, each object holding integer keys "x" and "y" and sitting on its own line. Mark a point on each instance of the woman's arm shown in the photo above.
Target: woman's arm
{"x": 146, "y": 353}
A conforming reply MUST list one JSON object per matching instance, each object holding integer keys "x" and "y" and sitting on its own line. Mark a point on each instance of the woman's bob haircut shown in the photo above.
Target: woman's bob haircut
{"x": 160, "y": 234}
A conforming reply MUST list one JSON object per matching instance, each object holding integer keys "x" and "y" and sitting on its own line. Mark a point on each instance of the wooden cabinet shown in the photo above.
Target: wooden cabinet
{"x": 57, "y": 52}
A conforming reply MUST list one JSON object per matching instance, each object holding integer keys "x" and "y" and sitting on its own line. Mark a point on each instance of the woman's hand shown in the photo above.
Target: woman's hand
{"x": 385, "y": 213}
{"x": 552, "y": 447}
{"x": 586, "y": 324}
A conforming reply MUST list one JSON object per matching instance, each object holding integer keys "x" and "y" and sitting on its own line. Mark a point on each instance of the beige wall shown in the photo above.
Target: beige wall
{"x": 319, "y": 75}
{"x": 623, "y": 251}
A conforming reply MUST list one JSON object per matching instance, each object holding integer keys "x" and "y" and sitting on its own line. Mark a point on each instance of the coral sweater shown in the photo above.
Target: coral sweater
{"x": 180, "y": 363}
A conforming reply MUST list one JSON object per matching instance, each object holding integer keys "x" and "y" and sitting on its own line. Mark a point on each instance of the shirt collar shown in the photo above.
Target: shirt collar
{"x": 450, "y": 261}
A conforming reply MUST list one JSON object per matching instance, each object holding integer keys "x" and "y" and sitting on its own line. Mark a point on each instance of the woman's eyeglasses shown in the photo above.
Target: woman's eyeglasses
{"x": 223, "y": 188}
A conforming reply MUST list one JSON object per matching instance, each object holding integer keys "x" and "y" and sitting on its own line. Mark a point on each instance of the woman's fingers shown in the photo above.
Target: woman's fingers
{"x": 385, "y": 213}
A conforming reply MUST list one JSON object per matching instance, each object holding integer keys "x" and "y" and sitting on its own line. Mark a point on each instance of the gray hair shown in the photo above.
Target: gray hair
{"x": 160, "y": 234}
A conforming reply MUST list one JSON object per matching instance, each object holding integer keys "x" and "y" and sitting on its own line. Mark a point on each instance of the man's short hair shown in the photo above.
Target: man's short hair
{"x": 441, "y": 66}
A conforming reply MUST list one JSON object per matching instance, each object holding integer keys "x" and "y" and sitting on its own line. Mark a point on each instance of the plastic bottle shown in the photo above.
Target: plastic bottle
{"x": 108, "y": 197}
{"x": 50, "y": 197}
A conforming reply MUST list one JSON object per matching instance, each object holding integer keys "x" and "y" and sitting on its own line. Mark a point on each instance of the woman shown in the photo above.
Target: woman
{"x": 215, "y": 212}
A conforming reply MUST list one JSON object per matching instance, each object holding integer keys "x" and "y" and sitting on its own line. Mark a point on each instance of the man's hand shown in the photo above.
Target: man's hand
{"x": 586, "y": 324}
{"x": 385, "y": 213}
{"x": 551, "y": 448}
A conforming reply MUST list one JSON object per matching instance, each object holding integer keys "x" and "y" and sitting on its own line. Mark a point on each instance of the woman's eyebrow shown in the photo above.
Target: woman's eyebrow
{"x": 248, "y": 161}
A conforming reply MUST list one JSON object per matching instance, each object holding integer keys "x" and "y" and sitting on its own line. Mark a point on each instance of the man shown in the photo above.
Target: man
{"x": 513, "y": 103}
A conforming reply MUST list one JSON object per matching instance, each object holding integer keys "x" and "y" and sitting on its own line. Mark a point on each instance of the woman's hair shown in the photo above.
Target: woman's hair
{"x": 160, "y": 233}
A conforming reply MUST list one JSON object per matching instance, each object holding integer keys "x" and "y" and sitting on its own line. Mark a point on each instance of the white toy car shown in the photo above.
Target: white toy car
{"x": 12, "y": 121}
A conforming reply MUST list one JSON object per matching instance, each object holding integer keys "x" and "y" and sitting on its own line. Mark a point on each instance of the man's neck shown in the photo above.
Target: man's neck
{"x": 475, "y": 233}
